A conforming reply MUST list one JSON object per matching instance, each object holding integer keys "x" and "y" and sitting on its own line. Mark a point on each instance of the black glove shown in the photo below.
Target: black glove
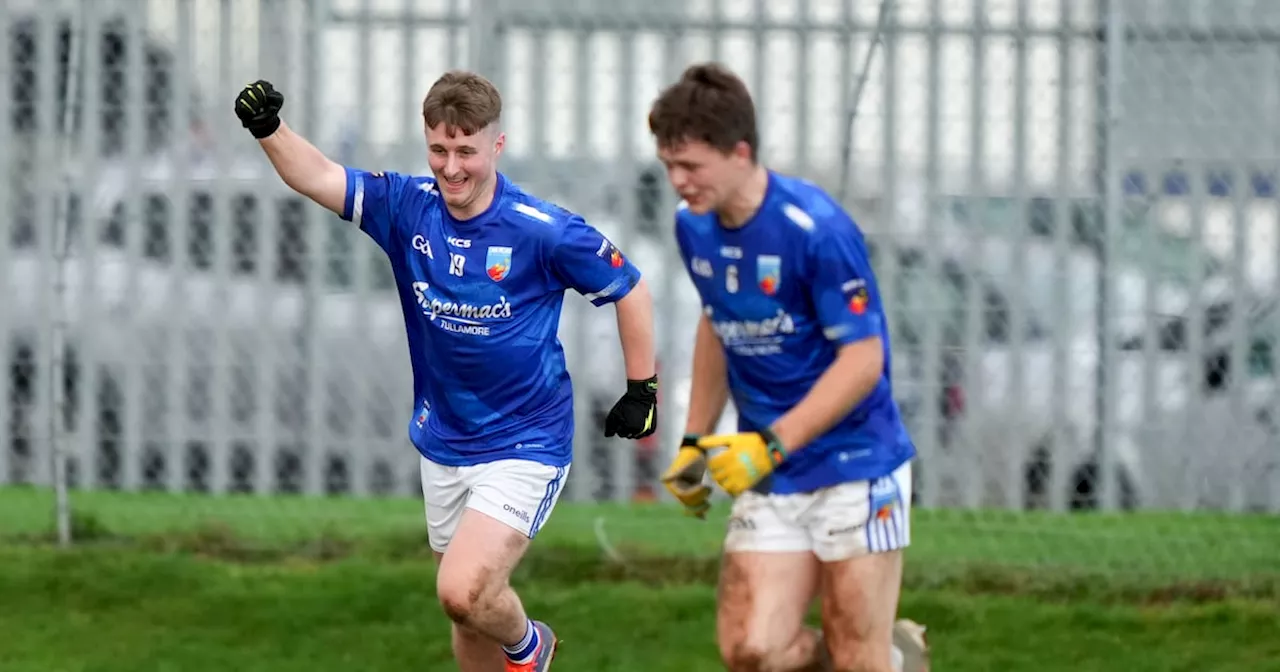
{"x": 258, "y": 107}
{"x": 635, "y": 416}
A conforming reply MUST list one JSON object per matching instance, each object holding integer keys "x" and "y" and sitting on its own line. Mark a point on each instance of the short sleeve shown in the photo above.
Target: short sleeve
{"x": 372, "y": 203}
{"x": 843, "y": 288}
{"x": 584, "y": 259}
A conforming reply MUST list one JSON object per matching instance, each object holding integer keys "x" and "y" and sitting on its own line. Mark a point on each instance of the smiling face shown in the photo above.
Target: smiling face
{"x": 465, "y": 165}
{"x": 461, "y": 117}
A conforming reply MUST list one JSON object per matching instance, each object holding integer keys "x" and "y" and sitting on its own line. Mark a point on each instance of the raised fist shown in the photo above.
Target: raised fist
{"x": 258, "y": 107}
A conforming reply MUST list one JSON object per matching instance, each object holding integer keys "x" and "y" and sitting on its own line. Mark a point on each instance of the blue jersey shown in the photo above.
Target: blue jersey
{"x": 783, "y": 293}
{"x": 481, "y": 301}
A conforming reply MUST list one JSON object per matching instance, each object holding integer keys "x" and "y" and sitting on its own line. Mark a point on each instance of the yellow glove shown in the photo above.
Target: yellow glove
{"x": 747, "y": 457}
{"x": 684, "y": 478}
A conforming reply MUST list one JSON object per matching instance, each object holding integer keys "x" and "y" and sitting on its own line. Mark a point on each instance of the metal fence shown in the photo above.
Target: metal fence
{"x": 1072, "y": 206}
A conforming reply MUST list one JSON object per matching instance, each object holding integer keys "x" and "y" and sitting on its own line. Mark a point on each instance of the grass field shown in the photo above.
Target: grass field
{"x": 191, "y": 583}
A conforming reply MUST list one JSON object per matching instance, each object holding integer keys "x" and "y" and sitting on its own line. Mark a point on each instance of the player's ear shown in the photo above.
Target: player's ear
{"x": 742, "y": 151}
{"x": 498, "y": 143}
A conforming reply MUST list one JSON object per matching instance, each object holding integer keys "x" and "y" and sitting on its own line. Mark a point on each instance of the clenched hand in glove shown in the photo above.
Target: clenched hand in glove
{"x": 635, "y": 416}
{"x": 683, "y": 478}
{"x": 746, "y": 458}
{"x": 258, "y": 107}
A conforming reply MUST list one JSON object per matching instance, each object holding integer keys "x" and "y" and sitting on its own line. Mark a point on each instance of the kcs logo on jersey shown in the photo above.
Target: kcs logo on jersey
{"x": 610, "y": 252}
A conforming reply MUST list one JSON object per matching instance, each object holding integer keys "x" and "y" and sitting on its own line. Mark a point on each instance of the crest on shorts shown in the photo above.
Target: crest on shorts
{"x": 884, "y": 498}
{"x": 769, "y": 273}
{"x": 497, "y": 263}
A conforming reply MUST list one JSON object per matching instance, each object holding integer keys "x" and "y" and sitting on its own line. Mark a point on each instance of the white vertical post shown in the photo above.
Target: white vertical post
{"x": 177, "y": 359}
{"x": 973, "y": 447}
{"x": 1060, "y": 453}
{"x": 1016, "y": 454}
{"x": 7, "y": 322}
{"x": 1106, "y": 485}
{"x": 216, "y": 352}
{"x": 61, "y": 235}
{"x": 928, "y": 438}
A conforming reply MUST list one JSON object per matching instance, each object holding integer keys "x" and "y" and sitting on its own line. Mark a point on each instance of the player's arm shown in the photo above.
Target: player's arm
{"x": 582, "y": 258}
{"x": 709, "y": 388}
{"x": 846, "y": 382}
{"x": 708, "y": 394}
{"x": 852, "y": 320}
{"x": 370, "y": 200}
{"x": 298, "y": 162}
{"x": 306, "y": 169}
{"x": 635, "y": 331}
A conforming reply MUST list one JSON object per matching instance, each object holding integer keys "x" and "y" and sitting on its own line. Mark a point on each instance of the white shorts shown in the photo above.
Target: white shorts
{"x": 520, "y": 493}
{"x": 836, "y": 523}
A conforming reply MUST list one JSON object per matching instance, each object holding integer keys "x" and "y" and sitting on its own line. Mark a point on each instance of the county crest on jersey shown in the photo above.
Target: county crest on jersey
{"x": 497, "y": 262}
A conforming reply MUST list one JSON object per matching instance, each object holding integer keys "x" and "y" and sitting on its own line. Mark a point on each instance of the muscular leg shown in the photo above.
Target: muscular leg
{"x": 476, "y": 652}
{"x": 859, "y": 530}
{"x": 473, "y": 588}
{"x": 473, "y": 651}
{"x": 763, "y": 598}
{"x": 859, "y": 605}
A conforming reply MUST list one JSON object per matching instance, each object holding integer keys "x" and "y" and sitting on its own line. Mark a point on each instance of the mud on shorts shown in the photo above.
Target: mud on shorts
{"x": 836, "y": 523}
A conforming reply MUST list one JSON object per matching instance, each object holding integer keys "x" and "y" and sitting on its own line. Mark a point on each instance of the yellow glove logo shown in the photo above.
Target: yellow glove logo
{"x": 745, "y": 458}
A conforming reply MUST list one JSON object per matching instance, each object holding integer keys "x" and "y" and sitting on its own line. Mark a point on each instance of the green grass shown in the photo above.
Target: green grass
{"x": 191, "y": 583}
{"x": 1105, "y": 555}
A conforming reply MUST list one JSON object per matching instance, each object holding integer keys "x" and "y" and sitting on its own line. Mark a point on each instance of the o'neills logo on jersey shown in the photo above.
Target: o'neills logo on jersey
{"x": 753, "y": 338}
{"x": 460, "y": 318}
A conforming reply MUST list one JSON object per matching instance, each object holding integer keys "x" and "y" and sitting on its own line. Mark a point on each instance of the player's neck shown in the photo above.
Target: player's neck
{"x": 743, "y": 204}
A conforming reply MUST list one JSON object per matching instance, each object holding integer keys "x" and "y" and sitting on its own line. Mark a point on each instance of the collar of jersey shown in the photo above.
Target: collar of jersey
{"x": 489, "y": 214}
{"x": 769, "y": 189}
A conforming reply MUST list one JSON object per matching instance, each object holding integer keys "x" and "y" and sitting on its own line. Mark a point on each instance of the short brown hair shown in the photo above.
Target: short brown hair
{"x": 709, "y": 104}
{"x": 462, "y": 101}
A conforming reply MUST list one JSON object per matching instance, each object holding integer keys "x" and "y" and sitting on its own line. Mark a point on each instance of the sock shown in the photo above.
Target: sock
{"x": 523, "y": 652}
{"x": 898, "y": 659}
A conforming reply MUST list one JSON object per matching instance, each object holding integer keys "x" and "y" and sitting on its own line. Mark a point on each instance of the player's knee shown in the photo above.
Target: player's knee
{"x": 460, "y": 603}
{"x": 462, "y": 595}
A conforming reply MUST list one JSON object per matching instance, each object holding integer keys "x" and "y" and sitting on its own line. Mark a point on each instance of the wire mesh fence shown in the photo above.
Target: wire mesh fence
{"x": 1071, "y": 205}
